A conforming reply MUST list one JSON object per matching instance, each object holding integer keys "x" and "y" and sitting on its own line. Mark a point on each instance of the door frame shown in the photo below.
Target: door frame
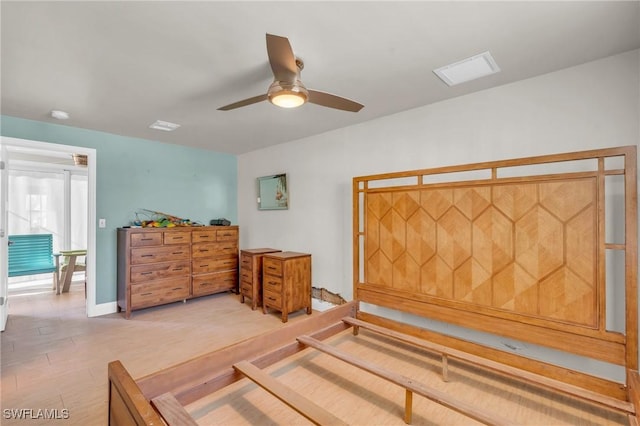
{"x": 4, "y": 239}
{"x": 91, "y": 306}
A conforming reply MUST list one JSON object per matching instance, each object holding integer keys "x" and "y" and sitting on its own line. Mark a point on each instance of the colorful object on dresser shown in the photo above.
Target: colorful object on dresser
{"x": 156, "y": 219}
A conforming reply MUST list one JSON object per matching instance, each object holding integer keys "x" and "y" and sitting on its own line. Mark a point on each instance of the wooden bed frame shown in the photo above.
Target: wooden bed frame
{"x": 523, "y": 249}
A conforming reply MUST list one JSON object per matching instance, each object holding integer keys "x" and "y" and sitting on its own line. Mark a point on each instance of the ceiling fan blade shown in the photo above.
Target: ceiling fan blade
{"x": 333, "y": 101}
{"x": 281, "y": 58}
{"x": 244, "y": 102}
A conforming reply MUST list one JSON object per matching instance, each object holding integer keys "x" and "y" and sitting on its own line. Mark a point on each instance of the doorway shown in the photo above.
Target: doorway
{"x": 40, "y": 175}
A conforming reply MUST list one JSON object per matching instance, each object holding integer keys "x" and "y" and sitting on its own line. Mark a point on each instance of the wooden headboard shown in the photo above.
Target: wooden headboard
{"x": 525, "y": 248}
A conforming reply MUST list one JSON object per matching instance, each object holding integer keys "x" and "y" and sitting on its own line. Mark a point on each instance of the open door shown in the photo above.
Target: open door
{"x": 4, "y": 239}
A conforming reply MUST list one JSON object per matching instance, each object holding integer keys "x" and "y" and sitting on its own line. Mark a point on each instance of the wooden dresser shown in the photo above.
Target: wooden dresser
{"x": 164, "y": 265}
{"x": 286, "y": 282}
{"x": 251, "y": 274}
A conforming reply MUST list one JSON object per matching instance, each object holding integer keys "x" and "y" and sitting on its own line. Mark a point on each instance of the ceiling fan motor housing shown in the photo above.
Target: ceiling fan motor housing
{"x": 286, "y": 94}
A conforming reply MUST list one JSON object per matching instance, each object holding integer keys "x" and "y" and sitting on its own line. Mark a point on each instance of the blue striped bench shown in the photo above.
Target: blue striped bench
{"x": 31, "y": 254}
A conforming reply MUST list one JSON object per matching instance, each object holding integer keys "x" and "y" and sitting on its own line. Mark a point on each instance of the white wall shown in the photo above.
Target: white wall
{"x": 594, "y": 105}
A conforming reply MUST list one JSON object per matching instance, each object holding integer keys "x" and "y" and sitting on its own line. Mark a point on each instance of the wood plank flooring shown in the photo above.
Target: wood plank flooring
{"x": 54, "y": 357}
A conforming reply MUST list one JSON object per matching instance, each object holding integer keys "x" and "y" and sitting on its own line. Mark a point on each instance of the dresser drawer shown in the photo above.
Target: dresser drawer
{"x": 271, "y": 299}
{"x": 214, "y": 265}
{"x": 158, "y": 292}
{"x": 215, "y": 249}
{"x": 214, "y": 283}
{"x": 159, "y": 254}
{"x": 271, "y": 266}
{"x": 156, "y": 271}
{"x": 146, "y": 239}
{"x": 177, "y": 237}
{"x": 206, "y": 235}
{"x": 227, "y": 235}
{"x": 272, "y": 283}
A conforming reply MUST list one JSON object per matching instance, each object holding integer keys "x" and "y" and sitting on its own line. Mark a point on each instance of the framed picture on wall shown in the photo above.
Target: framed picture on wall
{"x": 273, "y": 192}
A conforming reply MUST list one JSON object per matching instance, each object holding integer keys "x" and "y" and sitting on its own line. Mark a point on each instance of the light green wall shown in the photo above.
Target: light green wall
{"x": 136, "y": 173}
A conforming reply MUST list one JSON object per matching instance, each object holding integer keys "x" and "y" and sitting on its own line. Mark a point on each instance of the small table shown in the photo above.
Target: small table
{"x": 63, "y": 282}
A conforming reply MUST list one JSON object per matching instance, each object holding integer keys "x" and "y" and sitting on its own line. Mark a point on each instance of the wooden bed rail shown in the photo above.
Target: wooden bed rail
{"x": 409, "y": 385}
{"x": 127, "y": 404}
{"x": 503, "y": 369}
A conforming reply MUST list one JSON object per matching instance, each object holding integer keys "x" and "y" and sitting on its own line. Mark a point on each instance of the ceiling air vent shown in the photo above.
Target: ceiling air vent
{"x": 164, "y": 125}
{"x": 468, "y": 69}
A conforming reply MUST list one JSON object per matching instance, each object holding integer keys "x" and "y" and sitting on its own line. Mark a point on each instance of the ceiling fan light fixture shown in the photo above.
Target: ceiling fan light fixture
{"x": 287, "y": 96}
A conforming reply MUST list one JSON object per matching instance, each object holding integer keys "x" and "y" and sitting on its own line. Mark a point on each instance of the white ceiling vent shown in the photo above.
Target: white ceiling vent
{"x": 468, "y": 69}
{"x": 164, "y": 125}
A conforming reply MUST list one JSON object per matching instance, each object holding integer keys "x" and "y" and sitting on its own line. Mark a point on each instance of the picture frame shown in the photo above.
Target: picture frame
{"x": 273, "y": 193}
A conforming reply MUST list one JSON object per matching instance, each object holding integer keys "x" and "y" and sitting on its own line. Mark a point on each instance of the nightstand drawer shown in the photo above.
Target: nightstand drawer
{"x": 246, "y": 288}
{"x": 246, "y": 262}
{"x": 271, "y": 283}
{"x": 160, "y": 271}
{"x": 271, "y": 266}
{"x": 246, "y": 275}
{"x": 271, "y": 299}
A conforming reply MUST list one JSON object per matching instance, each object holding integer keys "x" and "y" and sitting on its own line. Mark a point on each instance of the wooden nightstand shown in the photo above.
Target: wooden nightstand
{"x": 251, "y": 274}
{"x": 286, "y": 282}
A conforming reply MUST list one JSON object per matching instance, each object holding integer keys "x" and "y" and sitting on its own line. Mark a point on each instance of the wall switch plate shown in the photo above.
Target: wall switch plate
{"x": 102, "y": 223}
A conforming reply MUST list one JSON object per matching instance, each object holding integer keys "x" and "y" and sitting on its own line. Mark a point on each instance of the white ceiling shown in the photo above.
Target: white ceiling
{"x": 119, "y": 66}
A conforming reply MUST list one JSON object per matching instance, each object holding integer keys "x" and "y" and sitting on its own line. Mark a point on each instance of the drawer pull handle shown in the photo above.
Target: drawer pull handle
{"x": 146, "y": 239}
{"x": 203, "y": 284}
{"x": 147, "y": 255}
{"x": 177, "y": 288}
{"x": 271, "y": 298}
{"x": 177, "y": 238}
{"x": 177, "y": 252}
{"x": 204, "y": 236}
{"x": 204, "y": 266}
{"x": 177, "y": 269}
{"x": 271, "y": 267}
{"x": 146, "y": 294}
{"x": 146, "y": 273}
{"x": 204, "y": 250}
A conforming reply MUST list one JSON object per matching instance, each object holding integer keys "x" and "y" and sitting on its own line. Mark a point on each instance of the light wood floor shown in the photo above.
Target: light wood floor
{"x": 54, "y": 357}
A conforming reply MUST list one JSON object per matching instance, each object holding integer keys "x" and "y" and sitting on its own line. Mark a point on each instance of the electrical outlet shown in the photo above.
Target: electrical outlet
{"x": 102, "y": 223}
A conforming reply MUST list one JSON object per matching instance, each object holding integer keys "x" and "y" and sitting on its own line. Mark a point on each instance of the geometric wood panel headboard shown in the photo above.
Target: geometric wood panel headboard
{"x": 520, "y": 248}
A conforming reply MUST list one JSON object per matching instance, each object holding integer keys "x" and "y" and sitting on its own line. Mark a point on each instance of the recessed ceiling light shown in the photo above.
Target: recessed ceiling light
{"x": 60, "y": 115}
{"x": 164, "y": 125}
{"x": 468, "y": 69}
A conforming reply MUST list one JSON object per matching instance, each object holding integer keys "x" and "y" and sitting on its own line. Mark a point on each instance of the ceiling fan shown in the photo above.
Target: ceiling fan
{"x": 287, "y": 91}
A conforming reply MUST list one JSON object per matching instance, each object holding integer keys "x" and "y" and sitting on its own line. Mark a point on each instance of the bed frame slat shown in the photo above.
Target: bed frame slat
{"x": 302, "y": 405}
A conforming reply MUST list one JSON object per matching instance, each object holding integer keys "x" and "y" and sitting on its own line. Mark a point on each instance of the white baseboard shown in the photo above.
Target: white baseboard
{"x": 102, "y": 309}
